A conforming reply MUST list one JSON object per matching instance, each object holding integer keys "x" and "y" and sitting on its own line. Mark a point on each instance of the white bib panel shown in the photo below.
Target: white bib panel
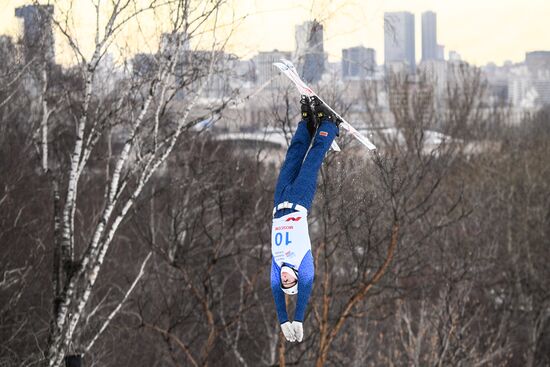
{"x": 290, "y": 239}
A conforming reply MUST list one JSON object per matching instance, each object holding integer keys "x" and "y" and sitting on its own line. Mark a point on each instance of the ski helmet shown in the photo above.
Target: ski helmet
{"x": 294, "y": 289}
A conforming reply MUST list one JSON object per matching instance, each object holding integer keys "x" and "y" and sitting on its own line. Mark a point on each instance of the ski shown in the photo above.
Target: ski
{"x": 288, "y": 69}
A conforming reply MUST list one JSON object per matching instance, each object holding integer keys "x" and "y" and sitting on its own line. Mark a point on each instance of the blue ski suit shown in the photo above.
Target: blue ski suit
{"x": 294, "y": 193}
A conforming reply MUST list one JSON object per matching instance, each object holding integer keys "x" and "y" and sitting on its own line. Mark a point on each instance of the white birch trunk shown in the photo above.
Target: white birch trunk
{"x": 44, "y": 123}
{"x": 76, "y": 292}
{"x": 95, "y": 257}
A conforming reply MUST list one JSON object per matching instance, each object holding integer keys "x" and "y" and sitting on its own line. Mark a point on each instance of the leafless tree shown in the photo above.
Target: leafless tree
{"x": 137, "y": 123}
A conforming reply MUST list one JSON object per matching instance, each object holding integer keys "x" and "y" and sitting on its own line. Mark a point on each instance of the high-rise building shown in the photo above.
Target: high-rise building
{"x": 454, "y": 56}
{"x": 170, "y": 42}
{"x": 521, "y": 92}
{"x": 144, "y": 65}
{"x": 37, "y": 32}
{"x": 440, "y": 52}
{"x": 538, "y": 64}
{"x": 429, "y": 36}
{"x": 358, "y": 62}
{"x": 399, "y": 46}
{"x": 436, "y": 73}
{"x": 7, "y": 49}
{"x": 309, "y": 53}
{"x": 537, "y": 61}
{"x": 265, "y": 71}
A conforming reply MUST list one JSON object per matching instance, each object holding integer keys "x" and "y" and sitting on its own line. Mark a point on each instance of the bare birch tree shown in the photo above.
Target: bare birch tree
{"x": 147, "y": 129}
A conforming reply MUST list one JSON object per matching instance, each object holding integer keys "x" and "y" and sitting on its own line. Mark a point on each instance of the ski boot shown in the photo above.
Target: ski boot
{"x": 307, "y": 114}
{"x": 323, "y": 112}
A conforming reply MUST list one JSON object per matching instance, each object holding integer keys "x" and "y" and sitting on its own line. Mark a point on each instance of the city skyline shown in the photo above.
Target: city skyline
{"x": 492, "y": 34}
{"x": 496, "y": 31}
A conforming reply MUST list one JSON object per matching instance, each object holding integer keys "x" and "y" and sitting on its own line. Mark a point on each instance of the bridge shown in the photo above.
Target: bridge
{"x": 275, "y": 139}
{"x": 272, "y": 138}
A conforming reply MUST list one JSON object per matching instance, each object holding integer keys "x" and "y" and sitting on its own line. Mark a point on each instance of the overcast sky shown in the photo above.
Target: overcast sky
{"x": 480, "y": 30}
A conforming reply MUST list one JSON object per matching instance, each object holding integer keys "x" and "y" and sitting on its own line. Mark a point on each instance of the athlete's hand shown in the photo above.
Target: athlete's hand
{"x": 298, "y": 330}
{"x": 288, "y": 331}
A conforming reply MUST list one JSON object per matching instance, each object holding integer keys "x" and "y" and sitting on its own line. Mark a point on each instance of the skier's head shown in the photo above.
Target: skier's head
{"x": 289, "y": 280}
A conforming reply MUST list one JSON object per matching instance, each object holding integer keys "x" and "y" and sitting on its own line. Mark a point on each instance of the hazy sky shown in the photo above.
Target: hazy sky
{"x": 480, "y": 30}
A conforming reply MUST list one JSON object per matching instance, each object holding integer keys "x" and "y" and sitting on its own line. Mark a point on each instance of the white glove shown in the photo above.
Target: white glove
{"x": 298, "y": 330}
{"x": 288, "y": 331}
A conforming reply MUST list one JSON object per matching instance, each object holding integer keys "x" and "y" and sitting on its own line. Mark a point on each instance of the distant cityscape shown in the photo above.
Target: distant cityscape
{"x": 522, "y": 87}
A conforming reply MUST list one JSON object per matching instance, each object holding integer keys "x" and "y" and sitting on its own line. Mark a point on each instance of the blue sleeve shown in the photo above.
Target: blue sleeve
{"x": 278, "y": 294}
{"x": 306, "y": 274}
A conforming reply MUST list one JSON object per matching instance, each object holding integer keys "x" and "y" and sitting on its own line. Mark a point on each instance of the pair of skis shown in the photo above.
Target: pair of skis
{"x": 288, "y": 69}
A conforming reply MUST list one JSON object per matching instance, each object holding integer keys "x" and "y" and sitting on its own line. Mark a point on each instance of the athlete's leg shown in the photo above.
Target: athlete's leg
{"x": 293, "y": 161}
{"x": 304, "y": 186}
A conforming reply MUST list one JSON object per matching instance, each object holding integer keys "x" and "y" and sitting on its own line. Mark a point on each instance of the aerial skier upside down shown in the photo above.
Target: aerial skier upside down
{"x": 292, "y": 269}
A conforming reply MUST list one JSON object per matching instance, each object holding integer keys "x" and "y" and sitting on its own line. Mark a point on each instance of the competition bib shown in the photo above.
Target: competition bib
{"x": 290, "y": 239}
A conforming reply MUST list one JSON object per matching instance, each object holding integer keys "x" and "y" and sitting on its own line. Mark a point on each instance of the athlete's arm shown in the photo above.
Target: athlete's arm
{"x": 278, "y": 294}
{"x": 305, "y": 284}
